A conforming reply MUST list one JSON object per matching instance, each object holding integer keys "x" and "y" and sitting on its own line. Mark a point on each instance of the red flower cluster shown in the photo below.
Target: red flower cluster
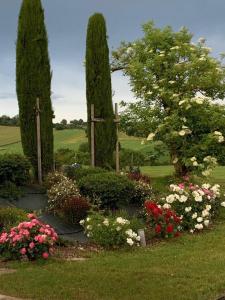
{"x": 163, "y": 221}
{"x": 32, "y": 239}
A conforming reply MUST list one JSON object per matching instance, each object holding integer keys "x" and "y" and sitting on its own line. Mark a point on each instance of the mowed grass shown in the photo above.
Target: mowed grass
{"x": 186, "y": 268}
{"x": 69, "y": 138}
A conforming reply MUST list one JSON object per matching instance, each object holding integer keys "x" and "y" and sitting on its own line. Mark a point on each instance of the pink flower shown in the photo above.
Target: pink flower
{"x": 45, "y": 255}
{"x": 3, "y": 238}
{"x": 31, "y": 216}
{"x": 23, "y": 251}
{"x": 31, "y": 245}
{"x": 181, "y": 185}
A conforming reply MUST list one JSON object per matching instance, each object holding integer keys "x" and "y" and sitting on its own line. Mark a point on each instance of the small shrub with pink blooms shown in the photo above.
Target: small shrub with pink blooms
{"x": 29, "y": 240}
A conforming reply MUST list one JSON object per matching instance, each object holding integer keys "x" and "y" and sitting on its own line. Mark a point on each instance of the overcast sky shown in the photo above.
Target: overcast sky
{"x": 66, "y": 22}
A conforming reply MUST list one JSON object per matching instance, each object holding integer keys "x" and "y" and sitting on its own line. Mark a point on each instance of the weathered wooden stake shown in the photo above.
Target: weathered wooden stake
{"x": 117, "y": 141}
{"x": 38, "y": 141}
{"x": 92, "y": 135}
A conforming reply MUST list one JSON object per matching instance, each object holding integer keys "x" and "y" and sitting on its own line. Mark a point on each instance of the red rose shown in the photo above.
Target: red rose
{"x": 169, "y": 228}
{"x": 158, "y": 228}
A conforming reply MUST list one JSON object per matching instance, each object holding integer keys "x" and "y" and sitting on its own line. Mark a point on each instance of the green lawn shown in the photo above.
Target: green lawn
{"x": 187, "y": 268}
{"x": 69, "y": 138}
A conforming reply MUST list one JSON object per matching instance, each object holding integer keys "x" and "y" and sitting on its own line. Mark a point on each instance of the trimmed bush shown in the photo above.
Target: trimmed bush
{"x": 14, "y": 168}
{"x": 11, "y": 216}
{"x": 111, "y": 189}
{"x": 78, "y": 173}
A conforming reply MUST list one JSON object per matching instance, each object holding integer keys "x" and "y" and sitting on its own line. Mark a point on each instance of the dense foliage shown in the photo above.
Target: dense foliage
{"x": 14, "y": 168}
{"x": 110, "y": 231}
{"x": 112, "y": 190}
{"x": 11, "y": 217}
{"x": 8, "y": 121}
{"x": 99, "y": 91}
{"x": 33, "y": 79}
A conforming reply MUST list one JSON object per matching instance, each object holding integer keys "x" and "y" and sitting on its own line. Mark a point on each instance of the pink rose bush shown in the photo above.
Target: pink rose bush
{"x": 30, "y": 239}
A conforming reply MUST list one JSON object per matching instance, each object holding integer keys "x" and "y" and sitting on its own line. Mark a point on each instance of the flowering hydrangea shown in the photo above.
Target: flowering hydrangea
{"x": 195, "y": 204}
{"x": 162, "y": 220}
{"x": 110, "y": 231}
{"x": 31, "y": 239}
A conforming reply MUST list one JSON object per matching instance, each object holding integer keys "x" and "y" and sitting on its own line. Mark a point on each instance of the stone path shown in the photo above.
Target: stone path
{"x": 35, "y": 199}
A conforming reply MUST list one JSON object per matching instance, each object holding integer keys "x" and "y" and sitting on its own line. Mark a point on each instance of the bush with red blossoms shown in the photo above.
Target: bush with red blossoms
{"x": 30, "y": 239}
{"x": 162, "y": 222}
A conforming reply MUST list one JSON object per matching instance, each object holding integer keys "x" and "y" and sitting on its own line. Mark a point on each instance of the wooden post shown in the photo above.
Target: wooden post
{"x": 38, "y": 141}
{"x": 92, "y": 135}
{"x": 117, "y": 141}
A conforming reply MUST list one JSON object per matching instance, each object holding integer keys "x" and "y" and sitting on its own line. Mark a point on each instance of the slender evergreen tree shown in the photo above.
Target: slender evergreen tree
{"x": 99, "y": 90}
{"x": 33, "y": 79}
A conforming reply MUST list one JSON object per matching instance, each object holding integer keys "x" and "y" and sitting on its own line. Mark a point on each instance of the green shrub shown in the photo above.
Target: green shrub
{"x": 130, "y": 157}
{"x": 110, "y": 231}
{"x": 64, "y": 156}
{"x": 79, "y": 173}
{"x": 11, "y": 216}
{"x": 84, "y": 147}
{"x": 83, "y": 158}
{"x": 10, "y": 191}
{"x": 14, "y": 168}
{"x": 112, "y": 190}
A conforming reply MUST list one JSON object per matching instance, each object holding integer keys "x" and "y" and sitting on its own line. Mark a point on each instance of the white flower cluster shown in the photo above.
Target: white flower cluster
{"x": 219, "y": 136}
{"x": 119, "y": 226}
{"x": 194, "y": 203}
{"x": 185, "y": 130}
{"x": 132, "y": 237}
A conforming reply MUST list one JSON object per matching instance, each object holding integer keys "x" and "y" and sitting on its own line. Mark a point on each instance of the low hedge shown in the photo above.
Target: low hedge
{"x": 79, "y": 173}
{"x": 14, "y": 168}
{"x": 11, "y": 217}
{"x": 112, "y": 190}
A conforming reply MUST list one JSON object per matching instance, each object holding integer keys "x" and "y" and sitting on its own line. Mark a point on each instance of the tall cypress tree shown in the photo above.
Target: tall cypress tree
{"x": 99, "y": 90}
{"x": 33, "y": 79}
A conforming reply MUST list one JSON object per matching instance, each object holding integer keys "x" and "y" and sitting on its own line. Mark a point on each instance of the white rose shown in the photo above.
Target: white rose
{"x": 194, "y": 216}
{"x": 199, "y": 219}
{"x": 82, "y": 222}
{"x": 167, "y": 206}
{"x": 198, "y": 198}
{"x": 188, "y": 209}
{"x": 130, "y": 241}
{"x": 106, "y": 222}
{"x": 223, "y": 204}
{"x": 199, "y": 226}
{"x": 206, "y": 223}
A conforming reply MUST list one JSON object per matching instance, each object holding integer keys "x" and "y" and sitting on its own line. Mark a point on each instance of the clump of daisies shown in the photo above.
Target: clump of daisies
{"x": 110, "y": 231}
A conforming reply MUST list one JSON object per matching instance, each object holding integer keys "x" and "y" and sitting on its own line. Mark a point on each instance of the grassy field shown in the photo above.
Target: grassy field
{"x": 71, "y": 138}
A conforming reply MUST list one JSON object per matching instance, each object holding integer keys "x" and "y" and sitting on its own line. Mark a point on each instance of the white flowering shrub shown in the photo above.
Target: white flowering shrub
{"x": 196, "y": 204}
{"x": 111, "y": 231}
{"x": 177, "y": 82}
{"x": 60, "y": 192}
